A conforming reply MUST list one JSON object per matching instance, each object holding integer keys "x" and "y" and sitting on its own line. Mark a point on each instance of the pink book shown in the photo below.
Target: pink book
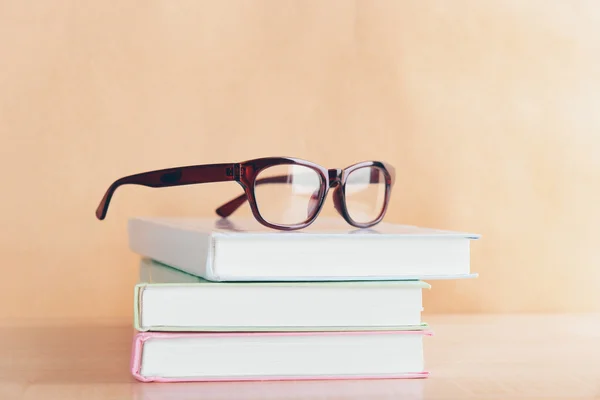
{"x": 182, "y": 357}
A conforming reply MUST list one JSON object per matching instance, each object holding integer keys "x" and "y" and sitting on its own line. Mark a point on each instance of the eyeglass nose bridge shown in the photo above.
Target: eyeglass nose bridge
{"x": 335, "y": 181}
{"x": 335, "y": 177}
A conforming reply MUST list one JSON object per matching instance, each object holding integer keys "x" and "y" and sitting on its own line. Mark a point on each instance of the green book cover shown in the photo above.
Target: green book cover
{"x": 167, "y": 299}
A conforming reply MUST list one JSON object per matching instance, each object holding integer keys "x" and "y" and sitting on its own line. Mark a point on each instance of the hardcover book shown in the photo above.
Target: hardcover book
{"x": 169, "y": 357}
{"x": 328, "y": 250}
{"x": 167, "y": 299}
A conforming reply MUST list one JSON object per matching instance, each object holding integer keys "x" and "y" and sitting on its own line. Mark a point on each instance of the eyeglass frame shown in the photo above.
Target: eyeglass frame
{"x": 245, "y": 173}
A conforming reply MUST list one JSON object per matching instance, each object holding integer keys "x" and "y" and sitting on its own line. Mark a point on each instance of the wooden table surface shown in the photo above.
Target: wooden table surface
{"x": 469, "y": 357}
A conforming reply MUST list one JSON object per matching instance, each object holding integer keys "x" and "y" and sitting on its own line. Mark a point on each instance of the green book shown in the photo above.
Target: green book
{"x": 167, "y": 299}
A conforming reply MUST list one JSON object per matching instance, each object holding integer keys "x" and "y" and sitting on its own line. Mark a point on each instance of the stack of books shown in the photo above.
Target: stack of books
{"x": 233, "y": 300}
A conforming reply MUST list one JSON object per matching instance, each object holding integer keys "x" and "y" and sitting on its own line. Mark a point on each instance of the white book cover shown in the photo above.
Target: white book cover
{"x": 328, "y": 250}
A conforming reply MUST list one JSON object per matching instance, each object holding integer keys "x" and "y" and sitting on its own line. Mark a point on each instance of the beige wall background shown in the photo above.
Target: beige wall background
{"x": 490, "y": 112}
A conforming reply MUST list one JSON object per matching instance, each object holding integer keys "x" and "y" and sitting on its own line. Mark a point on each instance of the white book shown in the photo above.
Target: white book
{"x": 277, "y": 356}
{"x": 167, "y": 299}
{"x": 328, "y": 250}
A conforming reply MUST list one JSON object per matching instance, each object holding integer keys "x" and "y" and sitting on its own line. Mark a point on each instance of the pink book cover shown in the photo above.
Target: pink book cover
{"x": 141, "y": 337}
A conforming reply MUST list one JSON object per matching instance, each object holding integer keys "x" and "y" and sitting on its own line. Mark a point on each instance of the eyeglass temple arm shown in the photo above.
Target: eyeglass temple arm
{"x": 229, "y": 208}
{"x": 169, "y": 177}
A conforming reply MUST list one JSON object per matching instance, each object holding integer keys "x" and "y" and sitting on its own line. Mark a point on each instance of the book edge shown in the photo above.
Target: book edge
{"x": 274, "y": 329}
{"x": 409, "y": 375}
{"x": 400, "y": 283}
{"x": 355, "y": 232}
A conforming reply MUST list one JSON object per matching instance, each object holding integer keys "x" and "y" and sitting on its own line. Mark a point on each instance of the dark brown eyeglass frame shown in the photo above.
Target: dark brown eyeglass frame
{"x": 245, "y": 173}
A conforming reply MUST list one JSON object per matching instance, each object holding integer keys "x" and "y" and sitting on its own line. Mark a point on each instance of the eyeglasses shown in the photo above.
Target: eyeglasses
{"x": 284, "y": 193}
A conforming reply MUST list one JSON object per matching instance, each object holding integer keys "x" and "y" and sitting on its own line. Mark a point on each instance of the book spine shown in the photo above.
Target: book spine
{"x": 137, "y": 307}
{"x": 186, "y": 250}
{"x": 136, "y": 357}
